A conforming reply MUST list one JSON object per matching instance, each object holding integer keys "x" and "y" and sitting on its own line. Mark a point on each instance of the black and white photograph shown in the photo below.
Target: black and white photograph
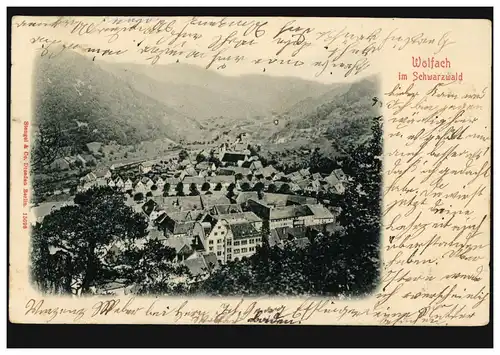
{"x": 178, "y": 180}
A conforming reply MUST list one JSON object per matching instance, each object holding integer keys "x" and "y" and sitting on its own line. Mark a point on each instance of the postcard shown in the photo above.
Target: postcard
{"x": 241, "y": 170}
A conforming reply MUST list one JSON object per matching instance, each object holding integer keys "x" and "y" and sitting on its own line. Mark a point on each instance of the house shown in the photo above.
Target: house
{"x": 190, "y": 171}
{"x": 88, "y": 159}
{"x": 139, "y": 187}
{"x": 94, "y": 147}
{"x": 201, "y": 265}
{"x": 111, "y": 183}
{"x": 209, "y": 201}
{"x": 232, "y": 158}
{"x": 128, "y": 185}
{"x": 60, "y": 164}
{"x": 147, "y": 183}
{"x": 89, "y": 178}
{"x": 146, "y": 167}
{"x": 241, "y": 217}
{"x": 244, "y": 196}
{"x": 171, "y": 226}
{"x": 205, "y": 165}
{"x": 225, "y": 209}
{"x": 125, "y": 166}
{"x": 313, "y": 186}
{"x": 305, "y": 172}
{"x": 317, "y": 176}
{"x": 158, "y": 181}
{"x": 103, "y": 172}
{"x": 228, "y": 234}
{"x": 289, "y": 216}
{"x": 300, "y": 200}
{"x": 321, "y": 215}
{"x": 190, "y": 203}
{"x": 299, "y": 236}
{"x": 334, "y": 184}
{"x": 339, "y": 173}
{"x": 182, "y": 246}
{"x": 119, "y": 183}
{"x": 234, "y": 170}
{"x": 269, "y": 171}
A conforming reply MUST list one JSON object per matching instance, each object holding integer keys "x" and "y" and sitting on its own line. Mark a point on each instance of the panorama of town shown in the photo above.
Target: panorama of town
{"x": 211, "y": 205}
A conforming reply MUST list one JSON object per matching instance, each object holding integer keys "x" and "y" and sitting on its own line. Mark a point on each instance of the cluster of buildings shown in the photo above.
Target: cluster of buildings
{"x": 219, "y": 206}
{"x": 203, "y": 172}
{"x": 229, "y": 229}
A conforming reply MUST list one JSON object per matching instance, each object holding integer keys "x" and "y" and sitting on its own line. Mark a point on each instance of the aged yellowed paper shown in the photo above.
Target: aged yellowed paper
{"x": 250, "y": 171}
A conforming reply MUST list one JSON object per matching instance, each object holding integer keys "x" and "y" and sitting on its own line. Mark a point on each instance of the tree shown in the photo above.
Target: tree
{"x": 149, "y": 194}
{"x": 152, "y": 270}
{"x": 138, "y": 196}
{"x": 166, "y": 187}
{"x": 230, "y": 191}
{"x": 218, "y": 187}
{"x": 205, "y": 186}
{"x": 245, "y": 186}
{"x": 69, "y": 257}
{"x": 183, "y": 154}
{"x": 200, "y": 157}
{"x": 193, "y": 190}
{"x": 238, "y": 176}
{"x": 154, "y": 187}
{"x": 361, "y": 211}
{"x": 271, "y": 188}
{"x": 284, "y": 189}
{"x": 259, "y": 186}
{"x": 179, "y": 189}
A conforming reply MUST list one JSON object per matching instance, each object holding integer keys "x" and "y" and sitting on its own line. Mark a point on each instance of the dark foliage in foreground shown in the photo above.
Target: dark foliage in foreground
{"x": 85, "y": 246}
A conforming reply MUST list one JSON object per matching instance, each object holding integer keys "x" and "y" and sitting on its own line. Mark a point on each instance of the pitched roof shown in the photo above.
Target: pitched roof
{"x": 172, "y": 181}
{"x": 94, "y": 145}
{"x": 273, "y": 199}
{"x": 274, "y": 239}
{"x": 220, "y": 179}
{"x": 212, "y": 200}
{"x": 290, "y": 212}
{"x": 211, "y": 260}
{"x": 244, "y": 196}
{"x": 235, "y": 170}
{"x": 182, "y": 227}
{"x": 149, "y": 207}
{"x": 197, "y": 266}
{"x": 185, "y": 216}
{"x": 233, "y": 157}
{"x": 239, "y": 217}
{"x": 339, "y": 173}
{"x": 179, "y": 243}
{"x": 243, "y": 230}
{"x": 190, "y": 202}
{"x": 320, "y": 211}
{"x": 227, "y": 208}
{"x": 193, "y": 180}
